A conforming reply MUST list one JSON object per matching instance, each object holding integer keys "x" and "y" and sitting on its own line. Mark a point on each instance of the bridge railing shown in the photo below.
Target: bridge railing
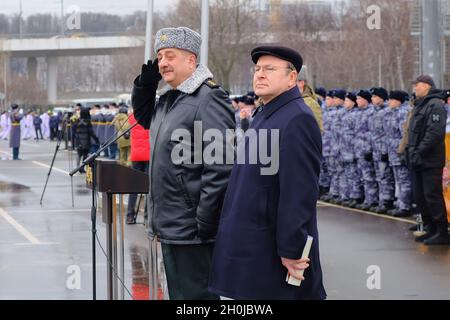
{"x": 71, "y": 35}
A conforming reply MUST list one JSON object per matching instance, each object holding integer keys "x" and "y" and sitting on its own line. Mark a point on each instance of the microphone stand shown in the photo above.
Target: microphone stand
{"x": 59, "y": 138}
{"x": 91, "y": 161}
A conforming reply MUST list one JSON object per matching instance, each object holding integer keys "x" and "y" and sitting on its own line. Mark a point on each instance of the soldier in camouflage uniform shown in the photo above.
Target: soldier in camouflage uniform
{"x": 394, "y": 131}
{"x": 325, "y": 177}
{"x": 383, "y": 171}
{"x": 364, "y": 151}
{"x": 327, "y": 152}
{"x": 351, "y": 192}
{"x": 321, "y": 94}
{"x": 336, "y": 165}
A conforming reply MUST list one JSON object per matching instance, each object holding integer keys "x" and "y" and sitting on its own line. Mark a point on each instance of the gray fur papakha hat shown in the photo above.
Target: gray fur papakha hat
{"x": 180, "y": 38}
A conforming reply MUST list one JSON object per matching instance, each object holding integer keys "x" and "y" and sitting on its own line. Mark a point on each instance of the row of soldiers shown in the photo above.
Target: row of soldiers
{"x": 363, "y": 150}
{"x": 102, "y": 118}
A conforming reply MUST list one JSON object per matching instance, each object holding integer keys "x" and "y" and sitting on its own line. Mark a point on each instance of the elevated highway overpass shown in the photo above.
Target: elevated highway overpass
{"x": 52, "y": 48}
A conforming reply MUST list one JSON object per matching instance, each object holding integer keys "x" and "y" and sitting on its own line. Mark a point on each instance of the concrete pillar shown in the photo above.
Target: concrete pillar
{"x": 431, "y": 37}
{"x": 32, "y": 68}
{"x": 5, "y": 77}
{"x": 52, "y": 79}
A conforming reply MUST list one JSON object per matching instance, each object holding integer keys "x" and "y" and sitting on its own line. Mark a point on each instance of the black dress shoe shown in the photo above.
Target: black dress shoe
{"x": 334, "y": 200}
{"x": 400, "y": 213}
{"x": 430, "y": 233}
{"x": 384, "y": 207}
{"x": 378, "y": 209}
{"x": 355, "y": 203}
{"x": 326, "y": 197}
{"x": 439, "y": 238}
{"x": 368, "y": 207}
{"x": 352, "y": 204}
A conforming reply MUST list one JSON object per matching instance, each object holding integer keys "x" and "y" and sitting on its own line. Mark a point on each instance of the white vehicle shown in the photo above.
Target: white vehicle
{"x": 63, "y": 110}
{"x": 89, "y": 103}
{"x": 123, "y": 98}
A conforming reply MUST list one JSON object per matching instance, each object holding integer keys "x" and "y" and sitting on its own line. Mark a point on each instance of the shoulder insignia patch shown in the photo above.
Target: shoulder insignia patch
{"x": 212, "y": 84}
{"x": 436, "y": 117}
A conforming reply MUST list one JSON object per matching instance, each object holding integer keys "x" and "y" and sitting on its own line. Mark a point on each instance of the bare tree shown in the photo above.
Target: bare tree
{"x": 34, "y": 93}
{"x": 341, "y": 51}
{"x": 125, "y": 68}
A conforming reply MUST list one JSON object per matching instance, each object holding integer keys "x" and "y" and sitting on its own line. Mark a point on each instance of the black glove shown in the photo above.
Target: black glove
{"x": 402, "y": 159}
{"x": 416, "y": 160}
{"x": 150, "y": 75}
{"x": 385, "y": 158}
{"x": 368, "y": 156}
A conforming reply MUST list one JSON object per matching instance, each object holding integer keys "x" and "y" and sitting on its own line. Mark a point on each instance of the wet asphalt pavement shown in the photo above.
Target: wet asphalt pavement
{"x": 41, "y": 245}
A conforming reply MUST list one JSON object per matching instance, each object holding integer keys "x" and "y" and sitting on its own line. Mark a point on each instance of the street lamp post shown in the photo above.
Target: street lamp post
{"x": 431, "y": 37}
{"x": 149, "y": 31}
{"x": 20, "y": 20}
{"x": 205, "y": 33}
{"x": 62, "y": 17}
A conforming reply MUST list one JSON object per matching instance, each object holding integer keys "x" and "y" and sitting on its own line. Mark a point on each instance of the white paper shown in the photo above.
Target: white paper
{"x": 291, "y": 280}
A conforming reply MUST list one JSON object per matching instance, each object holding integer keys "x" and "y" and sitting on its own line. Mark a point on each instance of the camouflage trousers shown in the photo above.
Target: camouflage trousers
{"x": 403, "y": 187}
{"x": 324, "y": 178}
{"x": 367, "y": 173}
{"x": 351, "y": 186}
{"x": 385, "y": 180}
{"x": 336, "y": 170}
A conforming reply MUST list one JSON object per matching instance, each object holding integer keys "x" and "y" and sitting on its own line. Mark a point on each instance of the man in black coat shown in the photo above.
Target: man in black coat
{"x": 84, "y": 134}
{"x": 426, "y": 159}
{"x": 186, "y": 192}
{"x": 270, "y": 206}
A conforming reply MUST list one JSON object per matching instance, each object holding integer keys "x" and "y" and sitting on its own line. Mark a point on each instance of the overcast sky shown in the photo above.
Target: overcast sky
{"x": 54, "y": 6}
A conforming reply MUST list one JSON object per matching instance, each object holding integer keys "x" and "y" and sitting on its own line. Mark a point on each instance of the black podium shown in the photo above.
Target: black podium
{"x": 111, "y": 179}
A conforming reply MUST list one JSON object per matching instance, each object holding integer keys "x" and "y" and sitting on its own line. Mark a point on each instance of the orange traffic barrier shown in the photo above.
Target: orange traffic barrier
{"x": 446, "y": 175}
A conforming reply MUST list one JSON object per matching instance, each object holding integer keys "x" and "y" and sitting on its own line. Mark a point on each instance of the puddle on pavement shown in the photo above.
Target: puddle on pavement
{"x": 12, "y": 187}
{"x": 139, "y": 265}
{"x": 82, "y": 192}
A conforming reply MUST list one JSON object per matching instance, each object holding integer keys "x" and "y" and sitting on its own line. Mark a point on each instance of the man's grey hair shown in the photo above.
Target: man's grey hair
{"x": 291, "y": 67}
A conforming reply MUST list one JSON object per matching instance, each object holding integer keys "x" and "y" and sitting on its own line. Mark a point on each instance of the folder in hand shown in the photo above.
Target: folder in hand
{"x": 291, "y": 280}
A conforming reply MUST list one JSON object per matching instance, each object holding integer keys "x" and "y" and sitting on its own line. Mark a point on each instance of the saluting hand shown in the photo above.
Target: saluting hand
{"x": 245, "y": 113}
{"x": 150, "y": 75}
{"x": 295, "y": 266}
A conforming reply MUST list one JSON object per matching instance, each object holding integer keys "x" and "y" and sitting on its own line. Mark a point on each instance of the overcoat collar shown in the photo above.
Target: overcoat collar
{"x": 191, "y": 84}
{"x": 280, "y": 101}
